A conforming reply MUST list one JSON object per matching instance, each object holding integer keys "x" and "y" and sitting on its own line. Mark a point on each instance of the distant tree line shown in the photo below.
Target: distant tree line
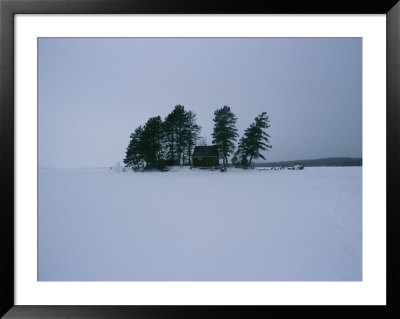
{"x": 159, "y": 143}
{"x": 331, "y": 161}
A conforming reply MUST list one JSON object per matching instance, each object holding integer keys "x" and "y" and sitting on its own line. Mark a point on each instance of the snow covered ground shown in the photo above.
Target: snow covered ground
{"x": 200, "y": 225}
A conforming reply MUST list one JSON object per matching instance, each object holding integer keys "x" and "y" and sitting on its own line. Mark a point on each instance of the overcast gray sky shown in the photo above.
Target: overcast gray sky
{"x": 93, "y": 93}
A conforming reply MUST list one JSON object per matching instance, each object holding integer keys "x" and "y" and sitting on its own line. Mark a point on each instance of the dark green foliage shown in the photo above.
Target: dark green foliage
{"x": 173, "y": 126}
{"x": 192, "y": 133}
{"x": 225, "y": 131}
{"x": 153, "y": 143}
{"x": 159, "y": 143}
{"x": 254, "y": 140}
{"x": 182, "y": 133}
{"x": 331, "y": 161}
{"x": 240, "y": 158}
{"x": 134, "y": 153}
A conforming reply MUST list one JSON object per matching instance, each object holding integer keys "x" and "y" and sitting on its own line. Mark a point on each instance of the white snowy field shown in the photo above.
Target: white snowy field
{"x": 199, "y": 225}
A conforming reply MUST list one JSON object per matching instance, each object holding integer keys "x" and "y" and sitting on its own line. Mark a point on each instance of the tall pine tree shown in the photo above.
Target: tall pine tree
{"x": 192, "y": 133}
{"x": 225, "y": 131}
{"x": 134, "y": 152}
{"x": 240, "y": 156}
{"x": 154, "y": 143}
{"x": 254, "y": 140}
{"x": 181, "y": 141}
{"x": 174, "y": 130}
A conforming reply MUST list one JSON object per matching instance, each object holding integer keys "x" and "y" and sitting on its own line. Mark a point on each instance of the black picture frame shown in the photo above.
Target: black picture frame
{"x": 8, "y": 8}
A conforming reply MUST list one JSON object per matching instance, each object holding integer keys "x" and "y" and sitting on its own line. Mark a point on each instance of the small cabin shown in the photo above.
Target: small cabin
{"x": 205, "y": 156}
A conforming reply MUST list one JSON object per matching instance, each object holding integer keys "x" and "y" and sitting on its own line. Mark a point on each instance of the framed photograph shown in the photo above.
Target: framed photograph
{"x": 197, "y": 159}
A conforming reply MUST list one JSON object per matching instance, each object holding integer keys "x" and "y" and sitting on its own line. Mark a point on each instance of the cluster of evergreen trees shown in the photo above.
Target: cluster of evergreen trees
{"x": 159, "y": 143}
{"x": 171, "y": 142}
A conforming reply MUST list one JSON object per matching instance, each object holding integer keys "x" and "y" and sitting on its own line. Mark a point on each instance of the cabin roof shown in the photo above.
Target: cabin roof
{"x": 206, "y": 151}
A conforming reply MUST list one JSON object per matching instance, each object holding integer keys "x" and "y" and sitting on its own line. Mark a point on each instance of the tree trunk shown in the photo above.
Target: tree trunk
{"x": 172, "y": 147}
{"x": 223, "y": 154}
{"x": 251, "y": 157}
{"x": 189, "y": 149}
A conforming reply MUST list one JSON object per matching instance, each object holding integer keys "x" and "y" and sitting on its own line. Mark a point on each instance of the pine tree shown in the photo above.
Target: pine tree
{"x": 170, "y": 137}
{"x": 225, "y": 131}
{"x": 134, "y": 152}
{"x": 154, "y": 143}
{"x": 192, "y": 133}
{"x": 240, "y": 156}
{"x": 254, "y": 140}
{"x": 174, "y": 130}
{"x": 181, "y": 141}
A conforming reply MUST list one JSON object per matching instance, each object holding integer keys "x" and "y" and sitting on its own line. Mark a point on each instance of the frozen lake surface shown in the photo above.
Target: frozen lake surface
{"x": 200, "y": 225}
